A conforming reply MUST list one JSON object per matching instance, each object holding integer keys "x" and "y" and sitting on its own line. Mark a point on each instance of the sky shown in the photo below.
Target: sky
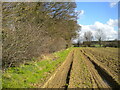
{"x": 98, "y": 15}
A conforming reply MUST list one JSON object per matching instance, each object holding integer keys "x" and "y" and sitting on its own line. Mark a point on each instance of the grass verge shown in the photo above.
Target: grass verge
{"x": 25, "y": 76}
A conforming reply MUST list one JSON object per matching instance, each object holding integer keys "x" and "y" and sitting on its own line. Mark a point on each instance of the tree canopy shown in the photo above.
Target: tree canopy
{"x": 33, "y": 28}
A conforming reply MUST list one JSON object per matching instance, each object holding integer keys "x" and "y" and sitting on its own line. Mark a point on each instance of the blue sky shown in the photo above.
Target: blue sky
{"x": 99, "y": 15}
{"x": 96, "y": 11}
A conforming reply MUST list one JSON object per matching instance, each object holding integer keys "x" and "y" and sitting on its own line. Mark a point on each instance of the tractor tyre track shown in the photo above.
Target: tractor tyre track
{"x": 60, "y": 79}
{"x": 101, "y": 77}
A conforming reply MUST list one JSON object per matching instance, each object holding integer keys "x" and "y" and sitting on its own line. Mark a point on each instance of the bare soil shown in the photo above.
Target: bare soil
{"x": 81, "y": 70}
{"x": 59, "y": 78}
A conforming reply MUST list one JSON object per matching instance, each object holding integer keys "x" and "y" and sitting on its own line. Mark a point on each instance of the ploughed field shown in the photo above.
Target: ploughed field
{"x": 87, "y": 68}
{"x": 83, "y": 67}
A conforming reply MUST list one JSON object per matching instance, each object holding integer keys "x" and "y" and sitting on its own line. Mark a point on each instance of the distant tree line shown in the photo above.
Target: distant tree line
{"x": 33, "y": 28}
{"x": 112, "y": 43}
{"x": 100, "y": 37}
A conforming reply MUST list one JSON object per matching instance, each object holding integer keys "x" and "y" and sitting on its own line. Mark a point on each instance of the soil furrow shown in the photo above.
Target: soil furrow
{"x": 68, "y": 76}
{"x": 97, "y": 78}
{"x": 60, "y": 79}
{"x": 80, "y": 76}
{"x": 81, "y": 70}
{"x": 108, "y": 80}
{"x": 106, "y": 77}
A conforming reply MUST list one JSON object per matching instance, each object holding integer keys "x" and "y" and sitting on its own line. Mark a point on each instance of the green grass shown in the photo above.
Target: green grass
{"x": 35, "y": 72}
{"x": 97, "y": 45}
{"x": 0, "y": 79}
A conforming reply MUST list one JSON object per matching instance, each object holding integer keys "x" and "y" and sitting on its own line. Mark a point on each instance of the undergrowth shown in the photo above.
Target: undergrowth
{"x": 25, "y": 76}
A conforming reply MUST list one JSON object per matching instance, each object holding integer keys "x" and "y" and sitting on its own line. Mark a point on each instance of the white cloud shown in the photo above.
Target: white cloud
{"x": 112, "y": 4}
{"x": 108, "y": 29}
{"x": 112, "y": 22}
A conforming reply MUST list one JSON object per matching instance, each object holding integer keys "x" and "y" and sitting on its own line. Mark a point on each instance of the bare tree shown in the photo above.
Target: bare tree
{"x": 100, "y": 36}
{"x": 88, "y": 37}
{"x": 32, "y": 29}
